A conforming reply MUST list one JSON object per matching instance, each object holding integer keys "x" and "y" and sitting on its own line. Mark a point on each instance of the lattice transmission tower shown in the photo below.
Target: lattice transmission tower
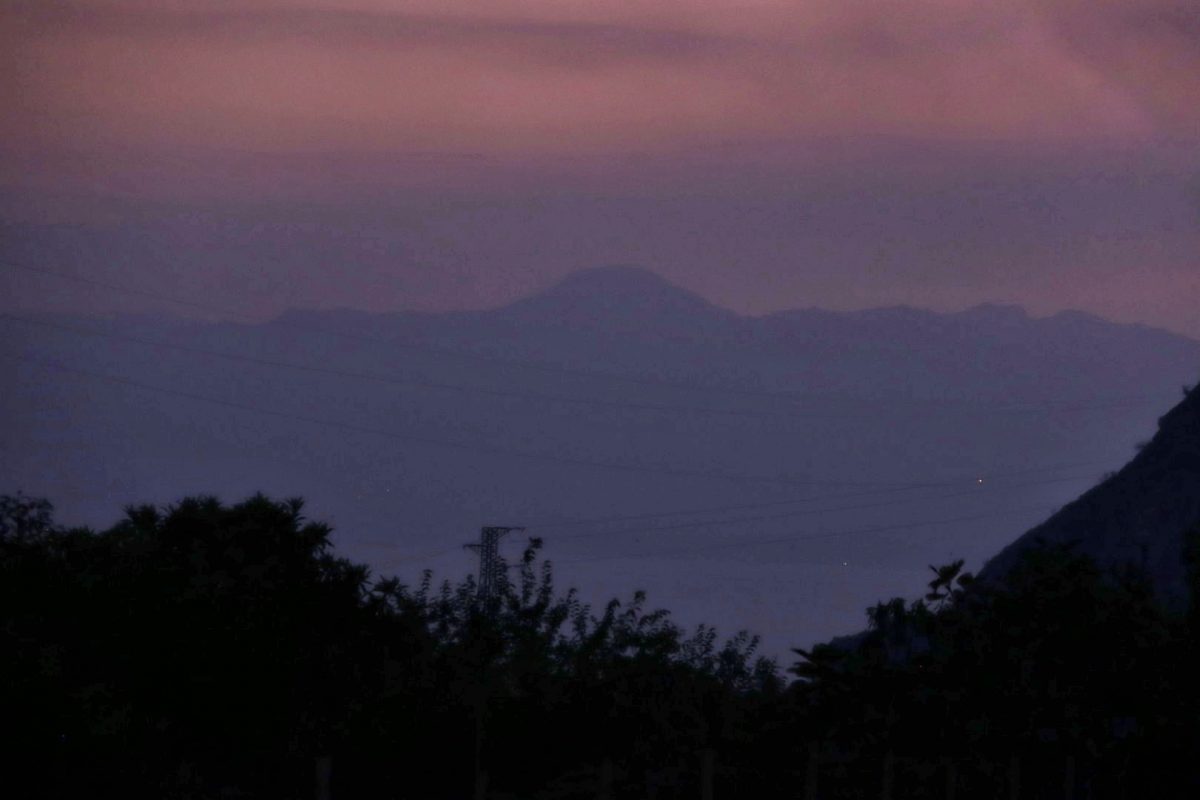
{"x": 490, "y": 565}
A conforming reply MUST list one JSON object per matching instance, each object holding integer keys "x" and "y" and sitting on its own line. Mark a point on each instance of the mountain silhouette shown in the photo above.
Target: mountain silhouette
{"x": 620, "y": 298}
{"x": 498, "y": 413}
{"x": 1139, "y": 515}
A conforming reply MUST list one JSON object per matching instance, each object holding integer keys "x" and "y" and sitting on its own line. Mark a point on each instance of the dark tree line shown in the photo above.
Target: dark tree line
{"x": 1064, "y": 681}
{"x": 207, "y": 651}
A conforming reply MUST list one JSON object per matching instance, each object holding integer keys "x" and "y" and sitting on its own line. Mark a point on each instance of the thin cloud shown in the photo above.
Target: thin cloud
{"x": 565, "y": 41}
{"x": 567, "y": 77}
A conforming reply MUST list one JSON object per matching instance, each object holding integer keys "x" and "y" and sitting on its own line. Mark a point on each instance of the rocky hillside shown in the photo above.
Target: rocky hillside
{"x": 1140, "y": 514}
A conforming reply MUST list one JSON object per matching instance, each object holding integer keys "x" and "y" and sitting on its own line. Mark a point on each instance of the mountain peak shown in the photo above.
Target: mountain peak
{"x": 995, "y": 313}
{"x": 614, "y": 279}
{"x": 620, "y": 297}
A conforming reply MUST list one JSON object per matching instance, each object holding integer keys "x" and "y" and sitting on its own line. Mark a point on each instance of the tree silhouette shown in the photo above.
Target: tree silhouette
{"x": 210, "y": 650}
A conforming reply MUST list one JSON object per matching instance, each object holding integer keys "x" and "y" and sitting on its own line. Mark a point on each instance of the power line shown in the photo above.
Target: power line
{"x": 127, "y": 290}
{"x": 525, "y": 396}
{"x": 476, "y": 448}
{"x": 342, "y": 373}
{"x": 692, "y": 524}
{"x": 583, "y": 462}
{"x": 391, "y": 379}
{"x": 573, "y": 523}
{"x": 539, "y": 456}
{"x": 795, "y": 538}
{"x": 549, "y": 527}
{"x": 376, "y": 545}
{"x": 790, "y": 514}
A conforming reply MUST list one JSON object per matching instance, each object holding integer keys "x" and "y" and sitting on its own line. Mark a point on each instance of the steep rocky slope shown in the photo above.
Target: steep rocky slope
{"x": 1140, "y": 514}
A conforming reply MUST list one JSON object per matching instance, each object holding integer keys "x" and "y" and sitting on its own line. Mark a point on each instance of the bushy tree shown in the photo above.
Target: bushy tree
{"x": 209, "y": 650}
{"x": 204, "y": 650}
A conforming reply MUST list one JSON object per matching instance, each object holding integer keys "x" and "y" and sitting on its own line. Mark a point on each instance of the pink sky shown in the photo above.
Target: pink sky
{"x": 623, "y": 108}
{"x": 519, "y": 77}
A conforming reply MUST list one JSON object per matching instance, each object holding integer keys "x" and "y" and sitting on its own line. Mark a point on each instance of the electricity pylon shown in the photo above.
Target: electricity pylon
{"x": 489, "y": 559}
{"x": 490, "y": 567}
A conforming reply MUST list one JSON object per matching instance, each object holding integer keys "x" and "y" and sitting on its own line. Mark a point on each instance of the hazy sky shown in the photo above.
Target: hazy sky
{"x": 448, "y": 154}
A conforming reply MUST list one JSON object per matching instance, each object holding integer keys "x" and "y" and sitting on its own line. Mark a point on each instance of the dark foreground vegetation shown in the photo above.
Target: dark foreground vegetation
{"x": 225, "y": 651}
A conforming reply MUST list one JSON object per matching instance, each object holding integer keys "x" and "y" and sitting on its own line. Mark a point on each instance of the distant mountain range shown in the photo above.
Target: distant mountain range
{"x": 633, "y": 321}
{"x": 779, "y": 472}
